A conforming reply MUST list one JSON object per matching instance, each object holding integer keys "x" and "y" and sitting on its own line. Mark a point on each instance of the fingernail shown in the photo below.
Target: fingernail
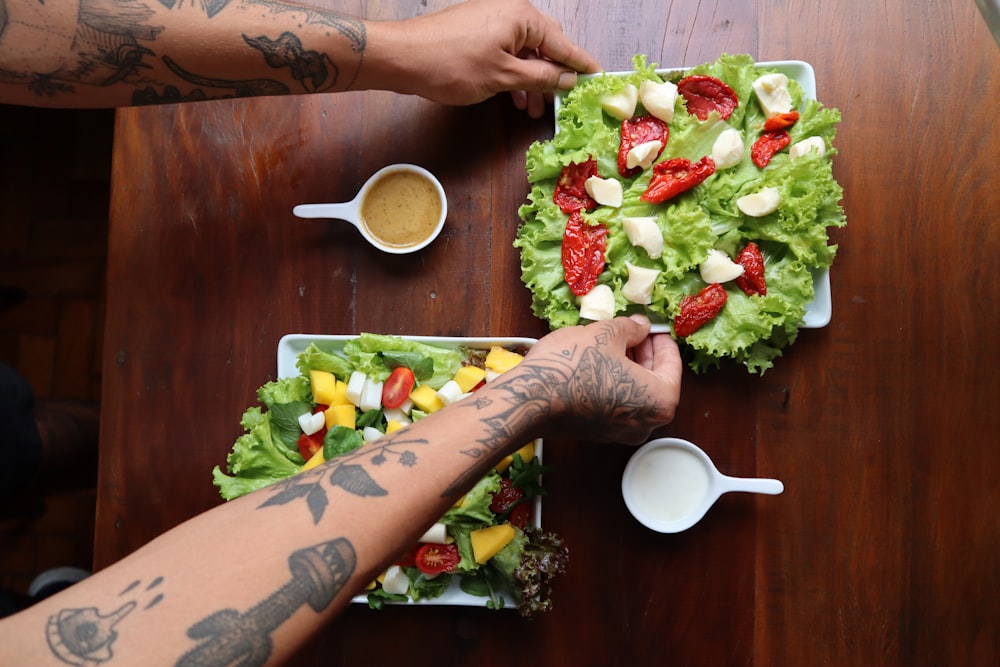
{"x": 567, "y": 80}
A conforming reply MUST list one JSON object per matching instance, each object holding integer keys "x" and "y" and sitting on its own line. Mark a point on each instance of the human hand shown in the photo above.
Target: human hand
{"x": 469, "y": 52}
{"x": 609, "y": 381}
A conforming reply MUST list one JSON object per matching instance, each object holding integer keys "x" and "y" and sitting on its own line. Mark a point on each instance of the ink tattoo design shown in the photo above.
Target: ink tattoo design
{"x": 228, "y": 637}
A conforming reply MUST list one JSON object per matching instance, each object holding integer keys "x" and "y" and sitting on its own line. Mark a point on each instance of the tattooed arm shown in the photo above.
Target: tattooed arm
{"x": 109, "y": 53}
{"x": 247, "y": 582}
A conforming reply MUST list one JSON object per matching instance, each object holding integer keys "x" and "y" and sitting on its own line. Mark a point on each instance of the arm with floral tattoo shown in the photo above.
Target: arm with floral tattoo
{"x": 217, "y": 589}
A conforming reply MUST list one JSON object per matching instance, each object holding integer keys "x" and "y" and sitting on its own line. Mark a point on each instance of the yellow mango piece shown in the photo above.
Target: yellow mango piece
{"x": 340, "y": 395}
{"x": 486, "y": 542}
{"x": 426, "y": 399}
{"x": 393, "y": 426}
{"x": 370, "y": 586}
{"x": 341, "y": 415}
{"x": 323, "y": 386}
{"x": 315, "y": 460}
{"x": 527, "y": 453}
{"x": 501, "y": 359}
{"x": 468, "y": 377}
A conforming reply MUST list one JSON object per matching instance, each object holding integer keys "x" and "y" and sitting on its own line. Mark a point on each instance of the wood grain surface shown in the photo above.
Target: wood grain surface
{"x": 883, "y": 550}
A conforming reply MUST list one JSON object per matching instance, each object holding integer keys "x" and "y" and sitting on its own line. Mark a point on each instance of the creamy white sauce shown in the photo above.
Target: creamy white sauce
{"x": 668, "y": 484}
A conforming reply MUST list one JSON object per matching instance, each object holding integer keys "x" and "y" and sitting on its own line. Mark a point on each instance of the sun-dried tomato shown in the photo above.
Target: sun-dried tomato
{"x": 571, "y": 188}
{"x": 767, "y": 145}
{"x": 699, "y": 309}
{"x": 674, "y": 176}
{"x": 782, "y": 121}
{"x": 583, "y": 253}
{"x": 705, "y": 94}
{"x": 640, "y": 131}
{"x": 752, "y": 281}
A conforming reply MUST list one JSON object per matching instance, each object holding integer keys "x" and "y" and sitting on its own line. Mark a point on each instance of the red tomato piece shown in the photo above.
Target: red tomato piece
{"x": 781, "y": 121}
{"x": 639, "y": 131}
{"x": 583, "y": 249}
{"x": 752, "y": 261}
{"x": 520, "y": 516}
{"x": 397, "y": 387}
{"x": 505, "y": 498}
{"x": 674, "y": 176}
{"x": 409, "y": 559}
{"x": 699, "y": 309}
{"x": 767, "y": 145}
{"x": 571, "y": 190}
{"x": 310, "y": 444}
{"x": 437, "y": 558}
{"x": 705, "y": 94}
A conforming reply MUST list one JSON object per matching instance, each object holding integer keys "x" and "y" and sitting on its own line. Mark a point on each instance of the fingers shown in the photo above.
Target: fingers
{"x": 545, "y": 35}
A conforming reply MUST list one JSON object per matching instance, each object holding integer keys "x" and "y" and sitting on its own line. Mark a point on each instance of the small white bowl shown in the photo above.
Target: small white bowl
{"x": 669, "y": 484}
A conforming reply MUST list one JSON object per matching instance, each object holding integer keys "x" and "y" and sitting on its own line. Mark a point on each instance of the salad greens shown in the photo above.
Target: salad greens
{"x": 794, "y": 241}
{"x": 268, "y": 455}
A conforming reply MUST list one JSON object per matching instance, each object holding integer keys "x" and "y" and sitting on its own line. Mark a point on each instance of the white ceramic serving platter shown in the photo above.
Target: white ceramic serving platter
{"x": 292, "y": 345}
{"x": 819, "y": 311}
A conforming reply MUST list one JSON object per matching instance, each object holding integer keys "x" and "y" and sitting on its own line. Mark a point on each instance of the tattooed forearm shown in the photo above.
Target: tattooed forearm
{"x": 229, "y": 637}
{"x": 348, "y": 26}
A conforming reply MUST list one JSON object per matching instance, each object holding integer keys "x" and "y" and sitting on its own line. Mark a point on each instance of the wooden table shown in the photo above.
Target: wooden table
{"x": 883, "y": 425}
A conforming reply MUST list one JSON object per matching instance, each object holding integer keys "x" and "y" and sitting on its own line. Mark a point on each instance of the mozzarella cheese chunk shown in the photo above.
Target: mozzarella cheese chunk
{"x": 718, "y": 268}
{"x": 371, "y": 434}
{"x": 760, "y": 203}
{"x": 605, "y": 191}
{"x": 598, "y": 303}
{"x": 772, "y": 93}
{"x": 436, "y": 534}
{"x": 395, "y": 580}
{"x": 639, "y": 287}
{"x": 727, "y": 151}
{"x": 644, "y": 233}
{"x": 621, "y": 105}
{"x": 450, "y": 392}
{"x": 658, "y": 99}
{"x": 797, "y": 150}
{"x": 356, "y": 385}
{"x": 643, "y": 154}
{"x": 312, "y": 422}
{"x": 371, "y": 396}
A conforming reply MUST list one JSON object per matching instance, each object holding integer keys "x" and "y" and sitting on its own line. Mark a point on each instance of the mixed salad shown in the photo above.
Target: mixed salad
{"x": 340, "y": 406}
{"x": 702, "y": 198}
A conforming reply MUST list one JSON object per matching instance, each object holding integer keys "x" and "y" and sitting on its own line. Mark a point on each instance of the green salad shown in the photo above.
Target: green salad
{"x": 714, "y": 222}
{"x": 338, "y": 409}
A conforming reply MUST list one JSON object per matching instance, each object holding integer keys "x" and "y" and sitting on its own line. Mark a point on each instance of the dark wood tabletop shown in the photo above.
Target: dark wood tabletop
{"x": 884, "y": 548}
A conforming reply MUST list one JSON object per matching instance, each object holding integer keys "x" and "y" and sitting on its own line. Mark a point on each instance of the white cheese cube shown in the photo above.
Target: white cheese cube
{"x": 356, "y": 385}
{"x": 605, "y": 191}
{"x": 658, "y": 99}
{"x": 621, "y": 105}
{"x": 312, "y": 422}
{"x": 718, "y": 268}
{"x": 436, "y": 534}
{"x": 760, "y": 203}
{"x": 395, "y": 580}
{"x": 772, "y": 93}
{"x": 450, "y": 392}
{"x": 801, "y": 148}
{"x": 371, "y": 434}
{"x": 371, "y": 396}
{"x": 727, "y": 151}
{"x": 643, "y": 232}
{"x": 639, "y": 288}
{"x": 598, "y": 303}
{"x": 397, "y": 414}
{"x": 643, "y": 154}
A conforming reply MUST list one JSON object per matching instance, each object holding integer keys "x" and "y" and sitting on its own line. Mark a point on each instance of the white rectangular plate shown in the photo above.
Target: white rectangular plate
{"x": 292, "y": 345}
{"x": 819, "y": 310}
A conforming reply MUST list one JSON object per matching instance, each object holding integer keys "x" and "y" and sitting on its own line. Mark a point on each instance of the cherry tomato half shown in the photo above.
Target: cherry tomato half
{"x": 397, "y": 387}
{"x": 310, "y": 444}
{"x": 505, "y": 497}
{"x": 437, "y": 558}
{"x": 520, "y": 516}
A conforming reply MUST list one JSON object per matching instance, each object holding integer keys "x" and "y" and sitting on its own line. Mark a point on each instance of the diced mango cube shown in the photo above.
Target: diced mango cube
{"x": 426, "y": 399}
{"x": 501, "y": 359}
{"x": 340, "y": 394}
{"x": 341, "y": 415}
{"x": 486, "y": 542}
{"x": 392, "y": 426}
{"x": 314, "y": 460}
{"x": 467, "y": 377}
{"x": 323, "y": 386}
{"x": 527, "y": 453}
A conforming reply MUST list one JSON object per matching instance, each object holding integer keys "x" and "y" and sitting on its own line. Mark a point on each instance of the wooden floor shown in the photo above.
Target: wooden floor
{"x": 54, "y": 190}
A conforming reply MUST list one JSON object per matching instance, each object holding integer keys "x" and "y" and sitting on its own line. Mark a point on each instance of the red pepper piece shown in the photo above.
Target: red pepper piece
{"x": 674, "y": 176}
{"x": 583, "y": 253}
{"x": 767, "y": 145}
{"x": 705, "y": 94}
{"x": 781, "y": 121}
{"x": 752, "y": 261}
{"x": 639, "y": 131}
{"x": 571, "y": 188}
{"x": 699, "y": 309}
